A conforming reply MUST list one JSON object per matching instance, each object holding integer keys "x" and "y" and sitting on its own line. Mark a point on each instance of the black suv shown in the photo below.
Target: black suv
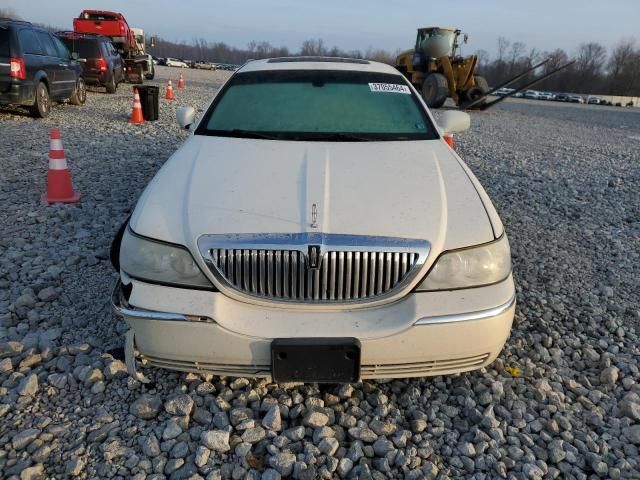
{"x": 102, "y": 64}
{"x": 35, "y": 68}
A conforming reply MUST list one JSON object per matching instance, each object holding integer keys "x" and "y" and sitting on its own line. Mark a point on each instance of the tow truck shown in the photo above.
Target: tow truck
{"x": 129, "y": 41}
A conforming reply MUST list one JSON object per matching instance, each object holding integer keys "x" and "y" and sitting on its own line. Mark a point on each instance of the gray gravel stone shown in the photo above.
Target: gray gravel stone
{"x": 609, "y": 376}
{"x": 179, "y": 404}
{"x": 315, "y": 419}
{"x": 202, "y": 456}
{"x": 23, "y": 438}
{"x": 146, "y": 406}
{"x": 28, "y": 386}
{"x": 272, "y": 420}
{"x": 254, "y": 435}
{"x": 216, "y": 440}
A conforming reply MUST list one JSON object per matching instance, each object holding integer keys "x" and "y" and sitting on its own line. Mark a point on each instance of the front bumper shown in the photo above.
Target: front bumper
{"x": 424, "y": 334}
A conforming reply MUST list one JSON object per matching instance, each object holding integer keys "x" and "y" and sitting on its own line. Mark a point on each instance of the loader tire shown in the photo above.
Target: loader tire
{"x": 478, "y": 90}
{"x": 435, "y": 90}
{"x": 482, "y": 83}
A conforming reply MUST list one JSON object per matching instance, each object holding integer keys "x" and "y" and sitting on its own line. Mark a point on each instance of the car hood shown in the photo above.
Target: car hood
{"x": 218, "y": 185}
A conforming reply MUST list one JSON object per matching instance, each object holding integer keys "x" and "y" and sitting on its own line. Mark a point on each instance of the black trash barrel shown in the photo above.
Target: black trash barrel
{"x": 149, "y": 100}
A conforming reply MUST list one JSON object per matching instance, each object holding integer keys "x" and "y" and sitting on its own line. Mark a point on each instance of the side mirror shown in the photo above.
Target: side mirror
{"x": 466, "y": 38}
{"x": 185, "y": 116}
{"x": 453, "y": 121}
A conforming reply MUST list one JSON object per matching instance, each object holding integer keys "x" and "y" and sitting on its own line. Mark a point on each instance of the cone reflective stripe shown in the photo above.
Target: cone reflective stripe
{"x": 136, "y": 113}
{"x": 448, "y": 139}
{"x": 181, "y": 82}
{"x": 59, "y": 186}
{"x": 169, "y": 94}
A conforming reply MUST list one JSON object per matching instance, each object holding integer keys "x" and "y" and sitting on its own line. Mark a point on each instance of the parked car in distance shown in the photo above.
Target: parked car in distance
{"x": 562, "y": 97}
{"x": 204, "y": 65}
{"x": 576, "y": 99}
{"x": 501, "y": 92}
{"x": 175, "y": 62}
{"x": 532, "y": 94}
{"x": 36, "y": 68}
{"x": 102, "y": 64}
{"x": 320, "y": 277}
{"x": 545, "y": 96}
{"x": 594, "y": 100}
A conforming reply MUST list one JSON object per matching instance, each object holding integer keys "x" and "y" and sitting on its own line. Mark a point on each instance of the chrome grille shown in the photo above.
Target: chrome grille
{"x": 350, "y": 268}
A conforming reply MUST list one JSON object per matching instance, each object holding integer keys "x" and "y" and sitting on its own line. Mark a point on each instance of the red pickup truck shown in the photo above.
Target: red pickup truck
{"x": 109, "y": 24}
{"x": 113, "y": 25}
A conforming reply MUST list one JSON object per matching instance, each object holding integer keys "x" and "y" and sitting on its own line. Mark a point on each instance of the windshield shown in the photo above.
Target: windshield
{"x": 83, "y": 47}
{"x": 317, "y": 105}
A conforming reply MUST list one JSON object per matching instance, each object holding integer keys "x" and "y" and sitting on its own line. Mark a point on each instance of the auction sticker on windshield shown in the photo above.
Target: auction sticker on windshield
{"x": 389, "y": 87}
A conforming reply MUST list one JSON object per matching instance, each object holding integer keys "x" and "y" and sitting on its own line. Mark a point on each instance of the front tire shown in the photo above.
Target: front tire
{"x": 79, "y": 95}
{"x": 42, "y": 103}
{"x": 435, "y": 90}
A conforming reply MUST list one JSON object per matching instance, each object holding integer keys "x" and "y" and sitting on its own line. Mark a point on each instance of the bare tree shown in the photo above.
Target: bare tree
{"x": 8, "y": 12}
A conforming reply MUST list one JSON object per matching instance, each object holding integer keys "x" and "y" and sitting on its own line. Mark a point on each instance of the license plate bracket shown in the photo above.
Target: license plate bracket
{"x": 311, "y": 360}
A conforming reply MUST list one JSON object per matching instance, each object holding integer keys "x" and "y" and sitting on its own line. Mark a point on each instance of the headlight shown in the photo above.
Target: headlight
{"x": 470, "y": 267}
{"x": 154, "y": 261}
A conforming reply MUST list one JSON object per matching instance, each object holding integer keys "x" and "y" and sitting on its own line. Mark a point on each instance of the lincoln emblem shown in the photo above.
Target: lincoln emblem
{"x": 314, "y": 216}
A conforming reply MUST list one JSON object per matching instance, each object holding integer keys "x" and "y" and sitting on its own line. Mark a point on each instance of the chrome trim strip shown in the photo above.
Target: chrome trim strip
{"x": 469, "y": 316}
{"x": 122, "y": 309}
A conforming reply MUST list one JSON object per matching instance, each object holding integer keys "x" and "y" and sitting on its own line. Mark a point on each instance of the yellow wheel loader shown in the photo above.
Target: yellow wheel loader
{"x": 437, "y": 70}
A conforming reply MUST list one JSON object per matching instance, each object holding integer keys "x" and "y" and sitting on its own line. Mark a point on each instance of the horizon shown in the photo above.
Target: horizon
{"x": 396, "y": 27}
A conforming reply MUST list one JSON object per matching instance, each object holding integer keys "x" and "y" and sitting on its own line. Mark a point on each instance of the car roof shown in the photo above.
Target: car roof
{"x": 317, "y": 63}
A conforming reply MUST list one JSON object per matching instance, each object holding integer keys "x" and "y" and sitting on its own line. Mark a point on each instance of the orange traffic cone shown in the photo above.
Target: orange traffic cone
{"x": 448, "y": 139}
{"x": 181, "y": 82}
{"x": 59, "y": 187}
{"x": 169, "y": 94}
{"x": 136, "y": 113}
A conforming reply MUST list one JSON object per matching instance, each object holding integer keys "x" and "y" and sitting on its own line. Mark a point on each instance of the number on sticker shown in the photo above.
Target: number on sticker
{"x": 389, "y": 87}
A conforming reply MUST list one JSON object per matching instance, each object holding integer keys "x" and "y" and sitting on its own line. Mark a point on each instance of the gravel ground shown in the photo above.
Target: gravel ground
{"x": 562, "y": 400}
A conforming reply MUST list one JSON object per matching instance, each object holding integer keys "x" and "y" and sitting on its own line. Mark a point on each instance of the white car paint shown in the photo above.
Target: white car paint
{"x": 408, "y": 189}
{"x": 174, "y": 62}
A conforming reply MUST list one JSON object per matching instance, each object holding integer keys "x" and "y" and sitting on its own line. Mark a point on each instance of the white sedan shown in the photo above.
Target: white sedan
{"x": 315, "y": 227}
{"x": 174, "y": 62}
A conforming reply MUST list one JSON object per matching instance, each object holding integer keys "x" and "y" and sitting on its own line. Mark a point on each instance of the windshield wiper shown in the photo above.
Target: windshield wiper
{"x": 237, "y": 132}
{"x": 335, "y": 136}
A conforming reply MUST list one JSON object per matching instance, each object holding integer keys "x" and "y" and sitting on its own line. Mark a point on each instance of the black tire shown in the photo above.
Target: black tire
{"x": 111, "y": 85}
{"x": 79, "y": 95}
{"x": 435, "y": 90}
{"x": 42, "y": 103}
{"x": 151, "y": 76}
{"x": 478, "y": 90}
{"x": 482, "y": 83}
{"x": 140, "y": 74}
{"x": 114, "y": 251}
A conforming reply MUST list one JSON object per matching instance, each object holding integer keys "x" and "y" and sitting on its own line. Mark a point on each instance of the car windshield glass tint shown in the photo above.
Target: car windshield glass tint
{"x": 84, "y": 48}
{"x": 4, "y": 43}
{"x": 318, "y": 105}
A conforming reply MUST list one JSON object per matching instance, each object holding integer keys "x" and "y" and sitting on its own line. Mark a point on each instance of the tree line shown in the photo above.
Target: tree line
{"x": 593, "y": 71}
{"x": 219, "y": 52}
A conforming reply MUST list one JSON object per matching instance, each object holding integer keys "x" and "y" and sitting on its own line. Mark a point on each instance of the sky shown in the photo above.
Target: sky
{"x": 360, "y": 24}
